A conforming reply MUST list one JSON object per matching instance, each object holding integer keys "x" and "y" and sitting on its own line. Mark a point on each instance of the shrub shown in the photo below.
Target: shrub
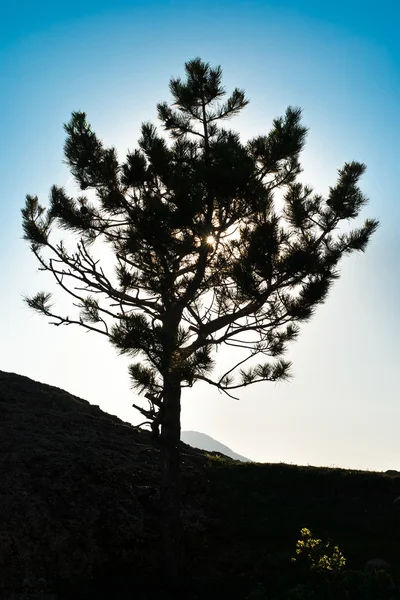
{"x": 322, "y": 575}
{"x": 321, "y": 557}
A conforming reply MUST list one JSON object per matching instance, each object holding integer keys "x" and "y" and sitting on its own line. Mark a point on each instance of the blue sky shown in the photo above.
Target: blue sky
{"x": 339, "y": 61}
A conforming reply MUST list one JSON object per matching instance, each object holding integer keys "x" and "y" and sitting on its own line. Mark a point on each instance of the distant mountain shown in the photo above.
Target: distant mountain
{"x": 206, "y": 442}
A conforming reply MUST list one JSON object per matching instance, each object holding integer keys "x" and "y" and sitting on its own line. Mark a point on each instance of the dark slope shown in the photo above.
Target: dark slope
{"x": 79, "y": 508}
{"x": 78, "y": 489}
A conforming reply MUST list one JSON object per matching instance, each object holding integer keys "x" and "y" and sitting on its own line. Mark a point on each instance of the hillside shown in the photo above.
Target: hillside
{"x": 79, "y": 508}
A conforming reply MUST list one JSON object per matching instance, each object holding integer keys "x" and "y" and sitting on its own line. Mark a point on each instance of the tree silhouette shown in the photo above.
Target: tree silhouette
{"x": 203, "y": 254}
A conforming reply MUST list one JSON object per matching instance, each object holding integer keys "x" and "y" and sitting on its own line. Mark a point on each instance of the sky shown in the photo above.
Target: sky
{"x": 339, "y": 61}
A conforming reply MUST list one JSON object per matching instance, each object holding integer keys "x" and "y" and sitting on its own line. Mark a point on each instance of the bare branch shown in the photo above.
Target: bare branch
{"x": 217, "y": 385}
{"x": 101, "y": 285}
{"x": 68, "y": 321}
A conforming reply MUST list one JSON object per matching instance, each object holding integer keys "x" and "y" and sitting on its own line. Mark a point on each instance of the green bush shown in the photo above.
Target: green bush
{"x": 322, "y": 575}
{"x": 321, "y": 557}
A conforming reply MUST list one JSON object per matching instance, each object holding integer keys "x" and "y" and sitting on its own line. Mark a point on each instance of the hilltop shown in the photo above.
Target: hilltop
{"x": 79, "y": 508}
{"x": 195, "y": 439}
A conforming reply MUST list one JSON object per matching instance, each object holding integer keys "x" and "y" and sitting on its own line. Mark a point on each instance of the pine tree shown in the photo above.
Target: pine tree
{"x": 203, "y": 254}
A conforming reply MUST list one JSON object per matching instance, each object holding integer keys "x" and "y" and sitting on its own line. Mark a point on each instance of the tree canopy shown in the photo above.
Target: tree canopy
{"x": 195, "y": 230}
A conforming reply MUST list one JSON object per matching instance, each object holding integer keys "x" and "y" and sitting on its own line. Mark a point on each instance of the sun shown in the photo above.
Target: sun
{"x": 210, "y": 239}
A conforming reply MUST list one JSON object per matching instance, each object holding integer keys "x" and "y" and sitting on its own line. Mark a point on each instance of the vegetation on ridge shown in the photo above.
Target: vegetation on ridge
{"x": 86, "y": 484}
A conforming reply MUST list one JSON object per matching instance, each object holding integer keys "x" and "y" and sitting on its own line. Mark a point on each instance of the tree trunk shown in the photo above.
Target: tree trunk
{"x": 170, "y": 480}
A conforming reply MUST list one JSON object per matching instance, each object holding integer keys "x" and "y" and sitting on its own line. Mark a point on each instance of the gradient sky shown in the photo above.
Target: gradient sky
{"x": 339, "y": 61}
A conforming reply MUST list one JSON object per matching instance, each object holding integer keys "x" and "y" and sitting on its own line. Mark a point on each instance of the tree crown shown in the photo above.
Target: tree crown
{"x": 203, "y": 255}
